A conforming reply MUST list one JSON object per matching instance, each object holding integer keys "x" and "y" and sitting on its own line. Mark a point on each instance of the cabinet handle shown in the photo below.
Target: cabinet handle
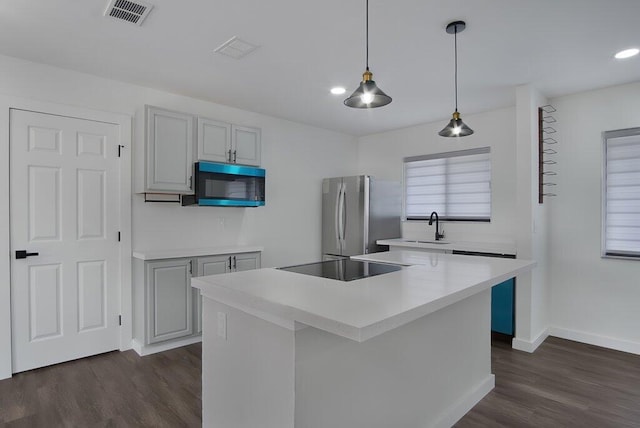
{"x": 229, "y": 263}
{"x": 235, "y": 266}
{"x": 234, "y": 156}
{"x": 229, "y": 155}
{"x": 191, "y": 267}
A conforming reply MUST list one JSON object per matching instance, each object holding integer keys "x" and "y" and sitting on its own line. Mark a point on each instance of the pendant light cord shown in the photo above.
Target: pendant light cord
{"x": 455, "y": 48}
{"x": 367, "y": 31}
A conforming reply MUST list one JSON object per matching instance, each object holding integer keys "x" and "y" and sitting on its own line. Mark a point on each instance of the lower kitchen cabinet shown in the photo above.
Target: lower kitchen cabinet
{"x": 502, "y": 307}
{"x": 167, "y": 310}
{"x": 214, "y": 265}
{"x": 169, "y": 299}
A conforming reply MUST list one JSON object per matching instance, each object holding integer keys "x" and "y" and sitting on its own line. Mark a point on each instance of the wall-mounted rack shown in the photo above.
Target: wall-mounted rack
{"x": 546, "y": 152}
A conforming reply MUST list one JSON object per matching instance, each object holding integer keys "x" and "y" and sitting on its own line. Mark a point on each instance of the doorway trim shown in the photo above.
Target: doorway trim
{"x": 125, "y": 125}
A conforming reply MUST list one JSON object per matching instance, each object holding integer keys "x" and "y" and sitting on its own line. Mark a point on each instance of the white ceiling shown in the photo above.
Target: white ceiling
{"x": 306, "y": 47}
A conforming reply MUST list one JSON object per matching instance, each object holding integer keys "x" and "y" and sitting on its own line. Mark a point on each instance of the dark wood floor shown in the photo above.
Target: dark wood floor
{"x": 563, "y": 384}
{"x": 117, "y": 389}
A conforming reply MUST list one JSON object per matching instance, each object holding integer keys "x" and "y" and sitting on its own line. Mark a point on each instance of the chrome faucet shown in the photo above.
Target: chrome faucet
{"x": 438, "y": 234}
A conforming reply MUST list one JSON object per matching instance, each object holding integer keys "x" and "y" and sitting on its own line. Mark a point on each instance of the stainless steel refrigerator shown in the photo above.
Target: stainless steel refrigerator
{"x": 356, "y": 212}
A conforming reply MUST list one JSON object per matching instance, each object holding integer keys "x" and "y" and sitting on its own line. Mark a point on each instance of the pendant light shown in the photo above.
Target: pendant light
{"x": 456, "y": 127}
{"x": 368, "y": 95}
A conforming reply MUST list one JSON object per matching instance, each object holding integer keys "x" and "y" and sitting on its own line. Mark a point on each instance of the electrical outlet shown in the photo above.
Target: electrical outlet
{"x": 222, "y": 325}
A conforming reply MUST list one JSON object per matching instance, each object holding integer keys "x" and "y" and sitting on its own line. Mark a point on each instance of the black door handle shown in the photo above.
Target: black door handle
{"x": 22, "y": 254}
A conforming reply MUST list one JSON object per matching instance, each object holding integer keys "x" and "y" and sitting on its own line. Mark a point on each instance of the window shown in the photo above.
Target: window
{"x": 621, "y": 193}
{"x": 457, "y": 185}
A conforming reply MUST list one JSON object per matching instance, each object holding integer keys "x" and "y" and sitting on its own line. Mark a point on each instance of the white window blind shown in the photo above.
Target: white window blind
{"x": 457, "y": 185}
{"x": 621, "y": 187}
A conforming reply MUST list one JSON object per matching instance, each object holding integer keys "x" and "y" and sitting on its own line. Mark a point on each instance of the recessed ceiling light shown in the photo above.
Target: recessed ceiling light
{"x": 627, "y": 53}
{"x": 338, "y": 90}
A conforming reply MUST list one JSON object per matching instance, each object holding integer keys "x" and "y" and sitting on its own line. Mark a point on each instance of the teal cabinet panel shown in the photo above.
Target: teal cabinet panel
{"x": 502, "y": 307}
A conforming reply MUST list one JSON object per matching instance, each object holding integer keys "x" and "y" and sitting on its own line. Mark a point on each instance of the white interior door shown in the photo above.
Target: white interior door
{"x": 64, "y": 206}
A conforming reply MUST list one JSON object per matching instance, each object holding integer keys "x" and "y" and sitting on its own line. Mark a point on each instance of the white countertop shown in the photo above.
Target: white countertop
{"x": 362, "y": 308}
{"x": 155, "y": 254}
{"x": 481, "y": 247}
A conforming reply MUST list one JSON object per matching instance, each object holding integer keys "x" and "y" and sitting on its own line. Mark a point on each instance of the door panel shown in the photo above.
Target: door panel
{"x": 45, "y": 302}
{"x": 214, "y": 140}
{"x": 91, "y": 295}
{"x": 247, "y": 261}
{"x": 246, "y": 145}
{"x": 170, "y": 300}
{"x": 212, "y": 265}
{"x": 43, "y": 209}
{"x": 64, "y": 206}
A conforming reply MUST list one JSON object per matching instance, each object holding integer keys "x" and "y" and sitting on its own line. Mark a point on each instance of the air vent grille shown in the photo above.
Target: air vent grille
{"x": 130, "y": 11}
{"x": 235, "y": 48}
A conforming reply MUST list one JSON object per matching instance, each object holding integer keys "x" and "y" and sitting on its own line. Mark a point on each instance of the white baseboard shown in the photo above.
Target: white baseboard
{"x": 143, "y": 350}
{"x": 455, "y": 412}
{"x": 594, "y": 339}
{"x": 526, "y": 346}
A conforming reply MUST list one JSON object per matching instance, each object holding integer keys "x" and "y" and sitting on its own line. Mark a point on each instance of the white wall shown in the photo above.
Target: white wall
{"x": 532, "y": 289}
{"x": 381, "y": 155}
{"x": 295, "y": 156}
{"x": 594, "y": 300}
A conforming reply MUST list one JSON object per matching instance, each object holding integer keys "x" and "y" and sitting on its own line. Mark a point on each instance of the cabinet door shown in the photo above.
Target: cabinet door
{"x": 246, "y": 145}
{"x": 214, "y": 140}
{"x": 212, "y": 265}
{"x": 246, "y": 261}
{"x": 170, "y": 140}
{"x": 169, "y": 300}
{"x": 502, "y": 307}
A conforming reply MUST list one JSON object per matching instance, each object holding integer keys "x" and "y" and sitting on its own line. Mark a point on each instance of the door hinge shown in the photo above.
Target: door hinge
{"x": 120, "y": 149}
{"x": 118, "y": 236}
{"x": 119, "y": 319}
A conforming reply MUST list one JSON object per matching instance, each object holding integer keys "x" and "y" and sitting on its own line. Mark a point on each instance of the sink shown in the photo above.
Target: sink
{"x": 426, "y": 242}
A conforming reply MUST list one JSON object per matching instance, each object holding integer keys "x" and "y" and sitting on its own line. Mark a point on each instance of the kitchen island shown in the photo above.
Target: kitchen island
{"x": 410, "y": 348}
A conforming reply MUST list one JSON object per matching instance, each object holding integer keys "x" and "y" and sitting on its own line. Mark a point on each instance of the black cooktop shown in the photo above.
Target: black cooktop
{"x": 342, "y": 270}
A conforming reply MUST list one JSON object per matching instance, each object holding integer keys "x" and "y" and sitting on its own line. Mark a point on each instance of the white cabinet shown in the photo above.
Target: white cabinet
{"x": 167, "y": 310}
{"x": 169, "y": 299}
{"x": 224, "y": 142}
{"x": 246, "y": 145}
{"x": 214, "y": 265}
{"x": 169, "y": 151}
{"x": 214, "y": 140}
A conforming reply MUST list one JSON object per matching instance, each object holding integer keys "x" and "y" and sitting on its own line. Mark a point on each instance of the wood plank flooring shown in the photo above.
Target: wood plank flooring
{"x": 563, "y": 384}
{"x": 117, "y": 389}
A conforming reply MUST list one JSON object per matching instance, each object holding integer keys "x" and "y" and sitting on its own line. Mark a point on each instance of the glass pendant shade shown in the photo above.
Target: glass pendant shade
{"x": 456, "y": 127}
{"x": 368, "y": 95}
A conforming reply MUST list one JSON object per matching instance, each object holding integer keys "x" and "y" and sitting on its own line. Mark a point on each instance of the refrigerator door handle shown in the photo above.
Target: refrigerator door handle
{"x": 341, "y": 216}
{"x": 337, "y": 216}
{"x": 344, "y": 214}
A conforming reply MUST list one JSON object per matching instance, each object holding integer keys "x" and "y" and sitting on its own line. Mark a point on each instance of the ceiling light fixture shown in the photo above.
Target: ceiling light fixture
{"x": 627, "y": 53}
{"x": 338, "y": 90}
{"x": 368, "y": 95}
{"x": 456, "y": 127}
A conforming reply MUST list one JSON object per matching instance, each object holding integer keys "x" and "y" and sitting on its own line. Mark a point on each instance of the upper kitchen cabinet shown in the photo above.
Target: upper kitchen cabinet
{"x": 224, "y": 142}
{"x": 169, "y": 151}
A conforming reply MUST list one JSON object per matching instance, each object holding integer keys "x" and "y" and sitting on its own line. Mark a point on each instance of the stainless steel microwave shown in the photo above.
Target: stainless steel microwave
{"x": 226, "y": 185}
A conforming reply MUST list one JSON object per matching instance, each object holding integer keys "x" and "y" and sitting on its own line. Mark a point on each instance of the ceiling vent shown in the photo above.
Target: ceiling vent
{"x": 127, "y": 10}
{"x": 235, "y": 48}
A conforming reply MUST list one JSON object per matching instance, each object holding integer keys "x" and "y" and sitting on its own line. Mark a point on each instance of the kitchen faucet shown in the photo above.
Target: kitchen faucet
{"x": 438, "y": 234}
